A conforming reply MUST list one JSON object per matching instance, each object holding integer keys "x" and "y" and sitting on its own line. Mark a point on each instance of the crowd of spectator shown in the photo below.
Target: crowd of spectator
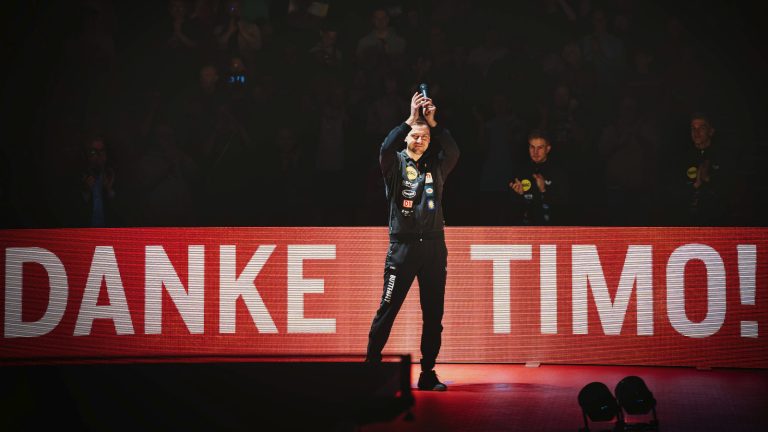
{"x": 271, "y": 113}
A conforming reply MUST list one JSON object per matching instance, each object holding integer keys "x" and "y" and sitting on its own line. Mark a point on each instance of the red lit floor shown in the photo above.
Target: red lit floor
{"x": 518, "y": 398}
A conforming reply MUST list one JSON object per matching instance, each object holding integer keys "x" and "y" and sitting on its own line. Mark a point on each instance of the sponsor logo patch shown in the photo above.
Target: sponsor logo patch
{"x": 407, "y": 203}
{"x": 411, "y": 185}
{"x": 692, "y": 171}
{"x": 429, "y": 190}
{"x": 526, "y": 185}
{"x": 428, "y": 178}
{"x": 411, "y": 173}
{"x": 390, "y": 287}
{"x": 431, "y": 204}
{"x": 409, "y": 193}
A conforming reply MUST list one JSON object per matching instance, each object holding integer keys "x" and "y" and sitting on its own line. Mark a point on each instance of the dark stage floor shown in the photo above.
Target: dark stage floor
{"x": 330, "y": 395}
{"x": 518, "y": 398}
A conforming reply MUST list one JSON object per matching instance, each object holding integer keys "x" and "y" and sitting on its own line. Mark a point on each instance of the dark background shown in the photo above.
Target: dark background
{"x": 77, "y": 69}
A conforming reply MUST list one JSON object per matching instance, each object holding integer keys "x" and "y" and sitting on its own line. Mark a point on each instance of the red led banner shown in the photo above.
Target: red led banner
{"x": 644, "y": 296}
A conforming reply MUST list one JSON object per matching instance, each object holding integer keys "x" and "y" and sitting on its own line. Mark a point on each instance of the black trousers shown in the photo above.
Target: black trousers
{"x": 423, "y": 259}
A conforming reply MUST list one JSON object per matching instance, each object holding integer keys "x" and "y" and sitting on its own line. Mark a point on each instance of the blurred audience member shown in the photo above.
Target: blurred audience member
{"x": 602, "y": 47}
{"x": 164, "y": 180}
{"x": 440, "y": 49}
{"x": 576, "y": 74}
{"x": 557, "y": 21}
{"x": 386, "y": 110}
{"x": 230, "y": 172}
{"x": 560, "y": 118}
{"x": 644, "y": 81}
{"x": 382, "y": 38}
{"x": 237, "y": 36}
{"x": 605, "y": 51}
{"x": 331, "y": 160}
{"x": 482, "y": 57}
{"x": 199, "y": 110}
{"x": 304, "y": 21}
{"x": 628, "y": 150}
{"x": 683, "y": 75}
{"x": 502, "y": 139}
{"x": 97, "y": 187}
{"x": 411, "y": 28}
{"x": 326, "y": 52}
{"x": 87, "y": 68}
{"x": 209, "y": 80}
{"x": 287, "y": 183}
{"x": 185, "y": 33}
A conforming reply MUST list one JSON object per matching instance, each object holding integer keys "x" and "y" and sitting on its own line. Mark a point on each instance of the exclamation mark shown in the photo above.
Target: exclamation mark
{"x": 747, "y": 265}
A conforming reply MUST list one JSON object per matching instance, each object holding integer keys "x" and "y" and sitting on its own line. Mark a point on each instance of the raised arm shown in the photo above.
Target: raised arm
{"x": 449, "y": 151}
{"x": 390, "y": 146}
{"x": 396, "y": 137}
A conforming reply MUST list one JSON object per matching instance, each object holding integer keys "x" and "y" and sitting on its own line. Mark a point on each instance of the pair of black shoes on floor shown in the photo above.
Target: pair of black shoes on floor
{"x": 428, "y": 381}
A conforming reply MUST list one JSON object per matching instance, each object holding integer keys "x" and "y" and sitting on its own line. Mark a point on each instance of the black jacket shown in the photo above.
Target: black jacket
{"x": 542, "y": 208}
{"x": 711, "y": 202}
{"x": 415, "y": 188}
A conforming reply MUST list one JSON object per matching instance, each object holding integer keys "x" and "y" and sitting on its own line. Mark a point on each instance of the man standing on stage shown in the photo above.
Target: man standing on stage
{"x": 414, "y": 179}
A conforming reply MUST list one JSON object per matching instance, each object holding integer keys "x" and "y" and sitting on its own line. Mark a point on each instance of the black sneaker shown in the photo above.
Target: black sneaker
{"x": 428, "y": 381}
